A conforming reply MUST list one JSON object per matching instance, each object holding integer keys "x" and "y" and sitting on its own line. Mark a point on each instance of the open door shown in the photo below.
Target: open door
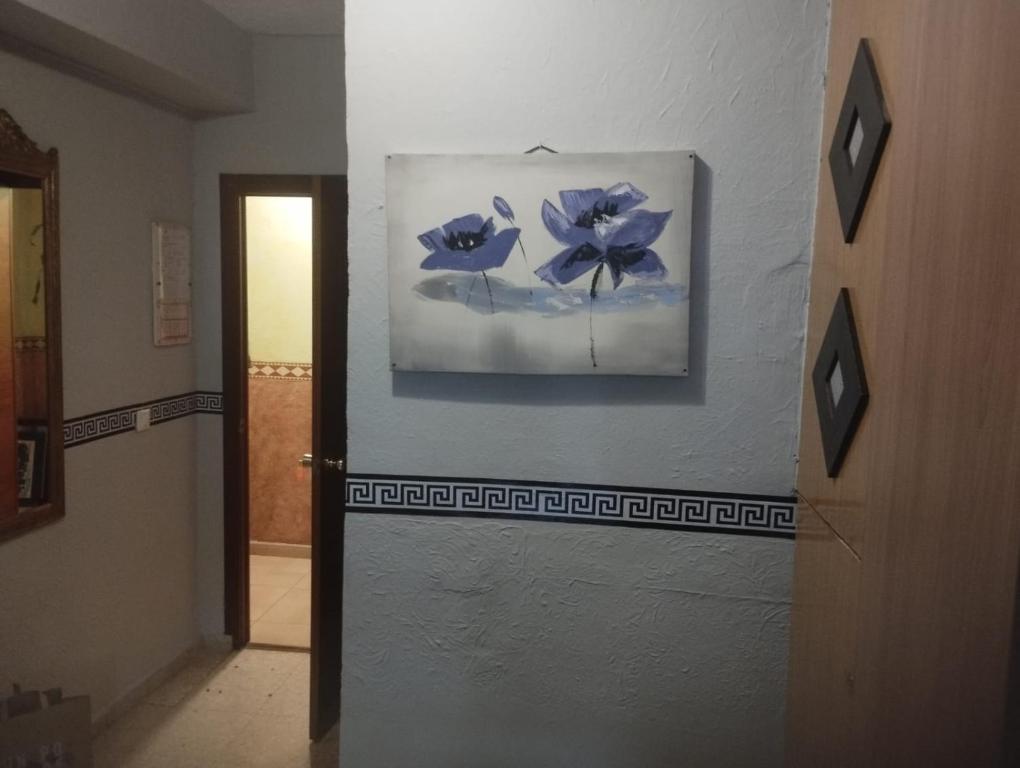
{"x": 329, "y": 424}
{"x": 329, "y": 445}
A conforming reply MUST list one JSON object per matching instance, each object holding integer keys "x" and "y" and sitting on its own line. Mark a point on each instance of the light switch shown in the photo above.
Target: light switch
{"x": 143, "y": 419}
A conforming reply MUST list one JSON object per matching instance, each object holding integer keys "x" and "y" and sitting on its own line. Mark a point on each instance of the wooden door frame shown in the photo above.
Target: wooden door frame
{"x": 234, "y": 289}
{"x": 329, "y": 358}
{"x": 329, "y": 429}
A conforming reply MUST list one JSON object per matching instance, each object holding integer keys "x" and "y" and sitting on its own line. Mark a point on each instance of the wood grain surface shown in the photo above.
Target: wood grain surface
{"x": 928, "y": 496}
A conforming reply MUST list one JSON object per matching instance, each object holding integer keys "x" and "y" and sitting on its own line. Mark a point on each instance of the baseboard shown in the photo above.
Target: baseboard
{"x": 149, "y": 684}
{"x": 275, "y": 549}
{"x": 218, "y": 642}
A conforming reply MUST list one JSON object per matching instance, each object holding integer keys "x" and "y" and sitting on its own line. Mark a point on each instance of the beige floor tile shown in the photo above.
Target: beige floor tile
{"x": 117, "y": 744}
{"x": 187, "y": 681}
{"x": 181, "y": 737}
{"x": 274, "y": 742}
{"x": 306, "y": 582}
{"x": 262, "y": 597}
{"x": 296, "y": 565}
{"x": 271, "y": 577}
{"x": 195, "y": 733}
{"x": 262, "y": 561}
{"x": 280, "y": 564}
{"x": 290, "y": 699}
{"x": 236, "y": 689}
{"x": 303, "y": 665}
{"x": 273, "y": 663}
{"x": 143, "y": 717}
{"x": 285, "y": 635}
{"x": 294, "y": 607}
{"x": 249, "y": 710}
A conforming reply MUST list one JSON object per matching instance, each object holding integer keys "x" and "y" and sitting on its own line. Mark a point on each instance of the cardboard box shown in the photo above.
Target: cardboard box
{"x": 44, "y": 730}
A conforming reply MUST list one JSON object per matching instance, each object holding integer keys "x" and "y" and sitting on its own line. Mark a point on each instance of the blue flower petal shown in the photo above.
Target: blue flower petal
{"x": 624, "y": 196}
{"x": 433, "y": 239}
{"x": 633, "y": 229}
{"x": 577, "y": 201}
{"x": 569, "y": 264}
{"x": 497, "y": 249}
{"x": 559, "y": 226}
{"x": 564, "y": 230}
{"x": 473, "y": 222}
{"x": 503, "y": 208}
{"x": 639, "y": 262}
{"x": 649, "y": 266}
{"x": 491, "y": 255}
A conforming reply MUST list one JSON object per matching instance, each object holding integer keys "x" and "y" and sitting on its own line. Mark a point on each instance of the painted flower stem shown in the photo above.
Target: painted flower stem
{"x": 591, "y": 311}
{"x": 492, "y": 305}
{"x": 471, "y": 289}
{"x": 524, "y": 254}
{"x": 503, "y": 209}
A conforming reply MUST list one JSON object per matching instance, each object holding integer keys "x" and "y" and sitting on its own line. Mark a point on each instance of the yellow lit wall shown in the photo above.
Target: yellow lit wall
{"x": 279, "y": 242}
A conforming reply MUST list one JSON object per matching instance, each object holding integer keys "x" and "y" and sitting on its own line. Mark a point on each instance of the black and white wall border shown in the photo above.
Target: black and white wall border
{"x": 745, "y": 514}
{"x": 700, "y": 511}
{"x": 96, "y": 426}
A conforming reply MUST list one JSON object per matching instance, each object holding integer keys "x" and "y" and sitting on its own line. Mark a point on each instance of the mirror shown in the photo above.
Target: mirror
{"x": 31, "y": 396}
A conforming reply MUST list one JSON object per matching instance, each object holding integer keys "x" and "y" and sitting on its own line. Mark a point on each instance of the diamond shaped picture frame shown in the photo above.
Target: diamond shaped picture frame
{"x": 857, "y": 144}
{"x": 841, "y": 389}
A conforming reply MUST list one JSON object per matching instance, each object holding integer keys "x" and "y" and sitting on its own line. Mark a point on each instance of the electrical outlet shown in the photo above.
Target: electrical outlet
{"x": 143, "y": 419}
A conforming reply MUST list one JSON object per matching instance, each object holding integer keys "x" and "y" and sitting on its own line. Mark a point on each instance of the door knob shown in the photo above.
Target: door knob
{"x": 307, "y": 460}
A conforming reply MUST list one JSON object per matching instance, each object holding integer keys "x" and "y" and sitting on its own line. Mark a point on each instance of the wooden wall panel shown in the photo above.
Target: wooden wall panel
{"x": 823, "y": 647}
{"x": 858, "y": 266}
{"x": 929, "y": 496}
{"x": 945, "y": 536}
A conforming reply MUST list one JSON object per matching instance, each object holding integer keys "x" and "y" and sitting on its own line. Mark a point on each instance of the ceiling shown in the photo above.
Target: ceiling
{"x": 284, "y": 17}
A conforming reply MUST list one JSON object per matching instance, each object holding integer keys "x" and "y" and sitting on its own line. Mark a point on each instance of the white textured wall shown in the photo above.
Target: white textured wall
{"x": 476, "y": 643}
{"x": 98, "y": 601}
{"x": 483, "y": 643}
{"x": 297, "y": 127}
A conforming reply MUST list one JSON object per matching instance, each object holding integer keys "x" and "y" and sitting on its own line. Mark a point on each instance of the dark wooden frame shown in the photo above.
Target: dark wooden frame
{"x": 863, "y": 102}
{"x": 234, "y": 288}
{"x": 329, "y": 356}
{"x": 839, "y": 421}
{"x": 329, "y": 339}
{"x": 22, "y": 160}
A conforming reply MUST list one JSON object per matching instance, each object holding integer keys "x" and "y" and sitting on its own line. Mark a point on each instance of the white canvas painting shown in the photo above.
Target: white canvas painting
{"x": 541, "y": 263}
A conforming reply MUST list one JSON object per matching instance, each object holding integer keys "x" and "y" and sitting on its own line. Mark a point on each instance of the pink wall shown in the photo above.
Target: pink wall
{"x": 279, "y": 432}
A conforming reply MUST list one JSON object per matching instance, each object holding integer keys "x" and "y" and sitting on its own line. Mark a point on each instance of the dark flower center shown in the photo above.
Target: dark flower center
{"x": 626, "y": 256}
{"x": 464, "y": 241}
{"x": 598, "y": 214}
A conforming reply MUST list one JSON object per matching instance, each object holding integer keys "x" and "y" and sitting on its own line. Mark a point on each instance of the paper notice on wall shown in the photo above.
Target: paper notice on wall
{"x": 171, "y": 284}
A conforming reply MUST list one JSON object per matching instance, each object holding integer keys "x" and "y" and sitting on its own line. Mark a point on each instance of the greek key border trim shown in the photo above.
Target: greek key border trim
{"x": 96, "y": 426}
{"x": 744, "y": 514}
{"x": 704, "y": 511}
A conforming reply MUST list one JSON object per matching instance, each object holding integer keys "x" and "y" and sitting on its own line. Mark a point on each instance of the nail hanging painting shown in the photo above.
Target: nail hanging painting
{"x": 540, "y": 264}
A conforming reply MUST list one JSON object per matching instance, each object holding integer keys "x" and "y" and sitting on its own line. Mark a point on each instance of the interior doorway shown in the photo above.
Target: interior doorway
{"x": 284, "y": 347}
{"x": 278, "y": 291}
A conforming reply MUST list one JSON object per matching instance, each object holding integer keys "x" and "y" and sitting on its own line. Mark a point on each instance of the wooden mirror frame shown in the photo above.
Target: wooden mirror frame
{"x": 19, "y": 156}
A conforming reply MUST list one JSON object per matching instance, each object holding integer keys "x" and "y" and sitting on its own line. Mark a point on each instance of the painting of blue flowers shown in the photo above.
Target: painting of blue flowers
{"x": 540, "y": 264}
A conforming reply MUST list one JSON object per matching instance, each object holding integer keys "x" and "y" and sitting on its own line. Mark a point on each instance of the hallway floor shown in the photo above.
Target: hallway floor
{"x": 224, "y": 710}
{"x": 281, "y": 601}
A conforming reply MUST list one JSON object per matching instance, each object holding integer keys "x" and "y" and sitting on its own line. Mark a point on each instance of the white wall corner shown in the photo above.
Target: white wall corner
{"x": 177, "y": 54}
